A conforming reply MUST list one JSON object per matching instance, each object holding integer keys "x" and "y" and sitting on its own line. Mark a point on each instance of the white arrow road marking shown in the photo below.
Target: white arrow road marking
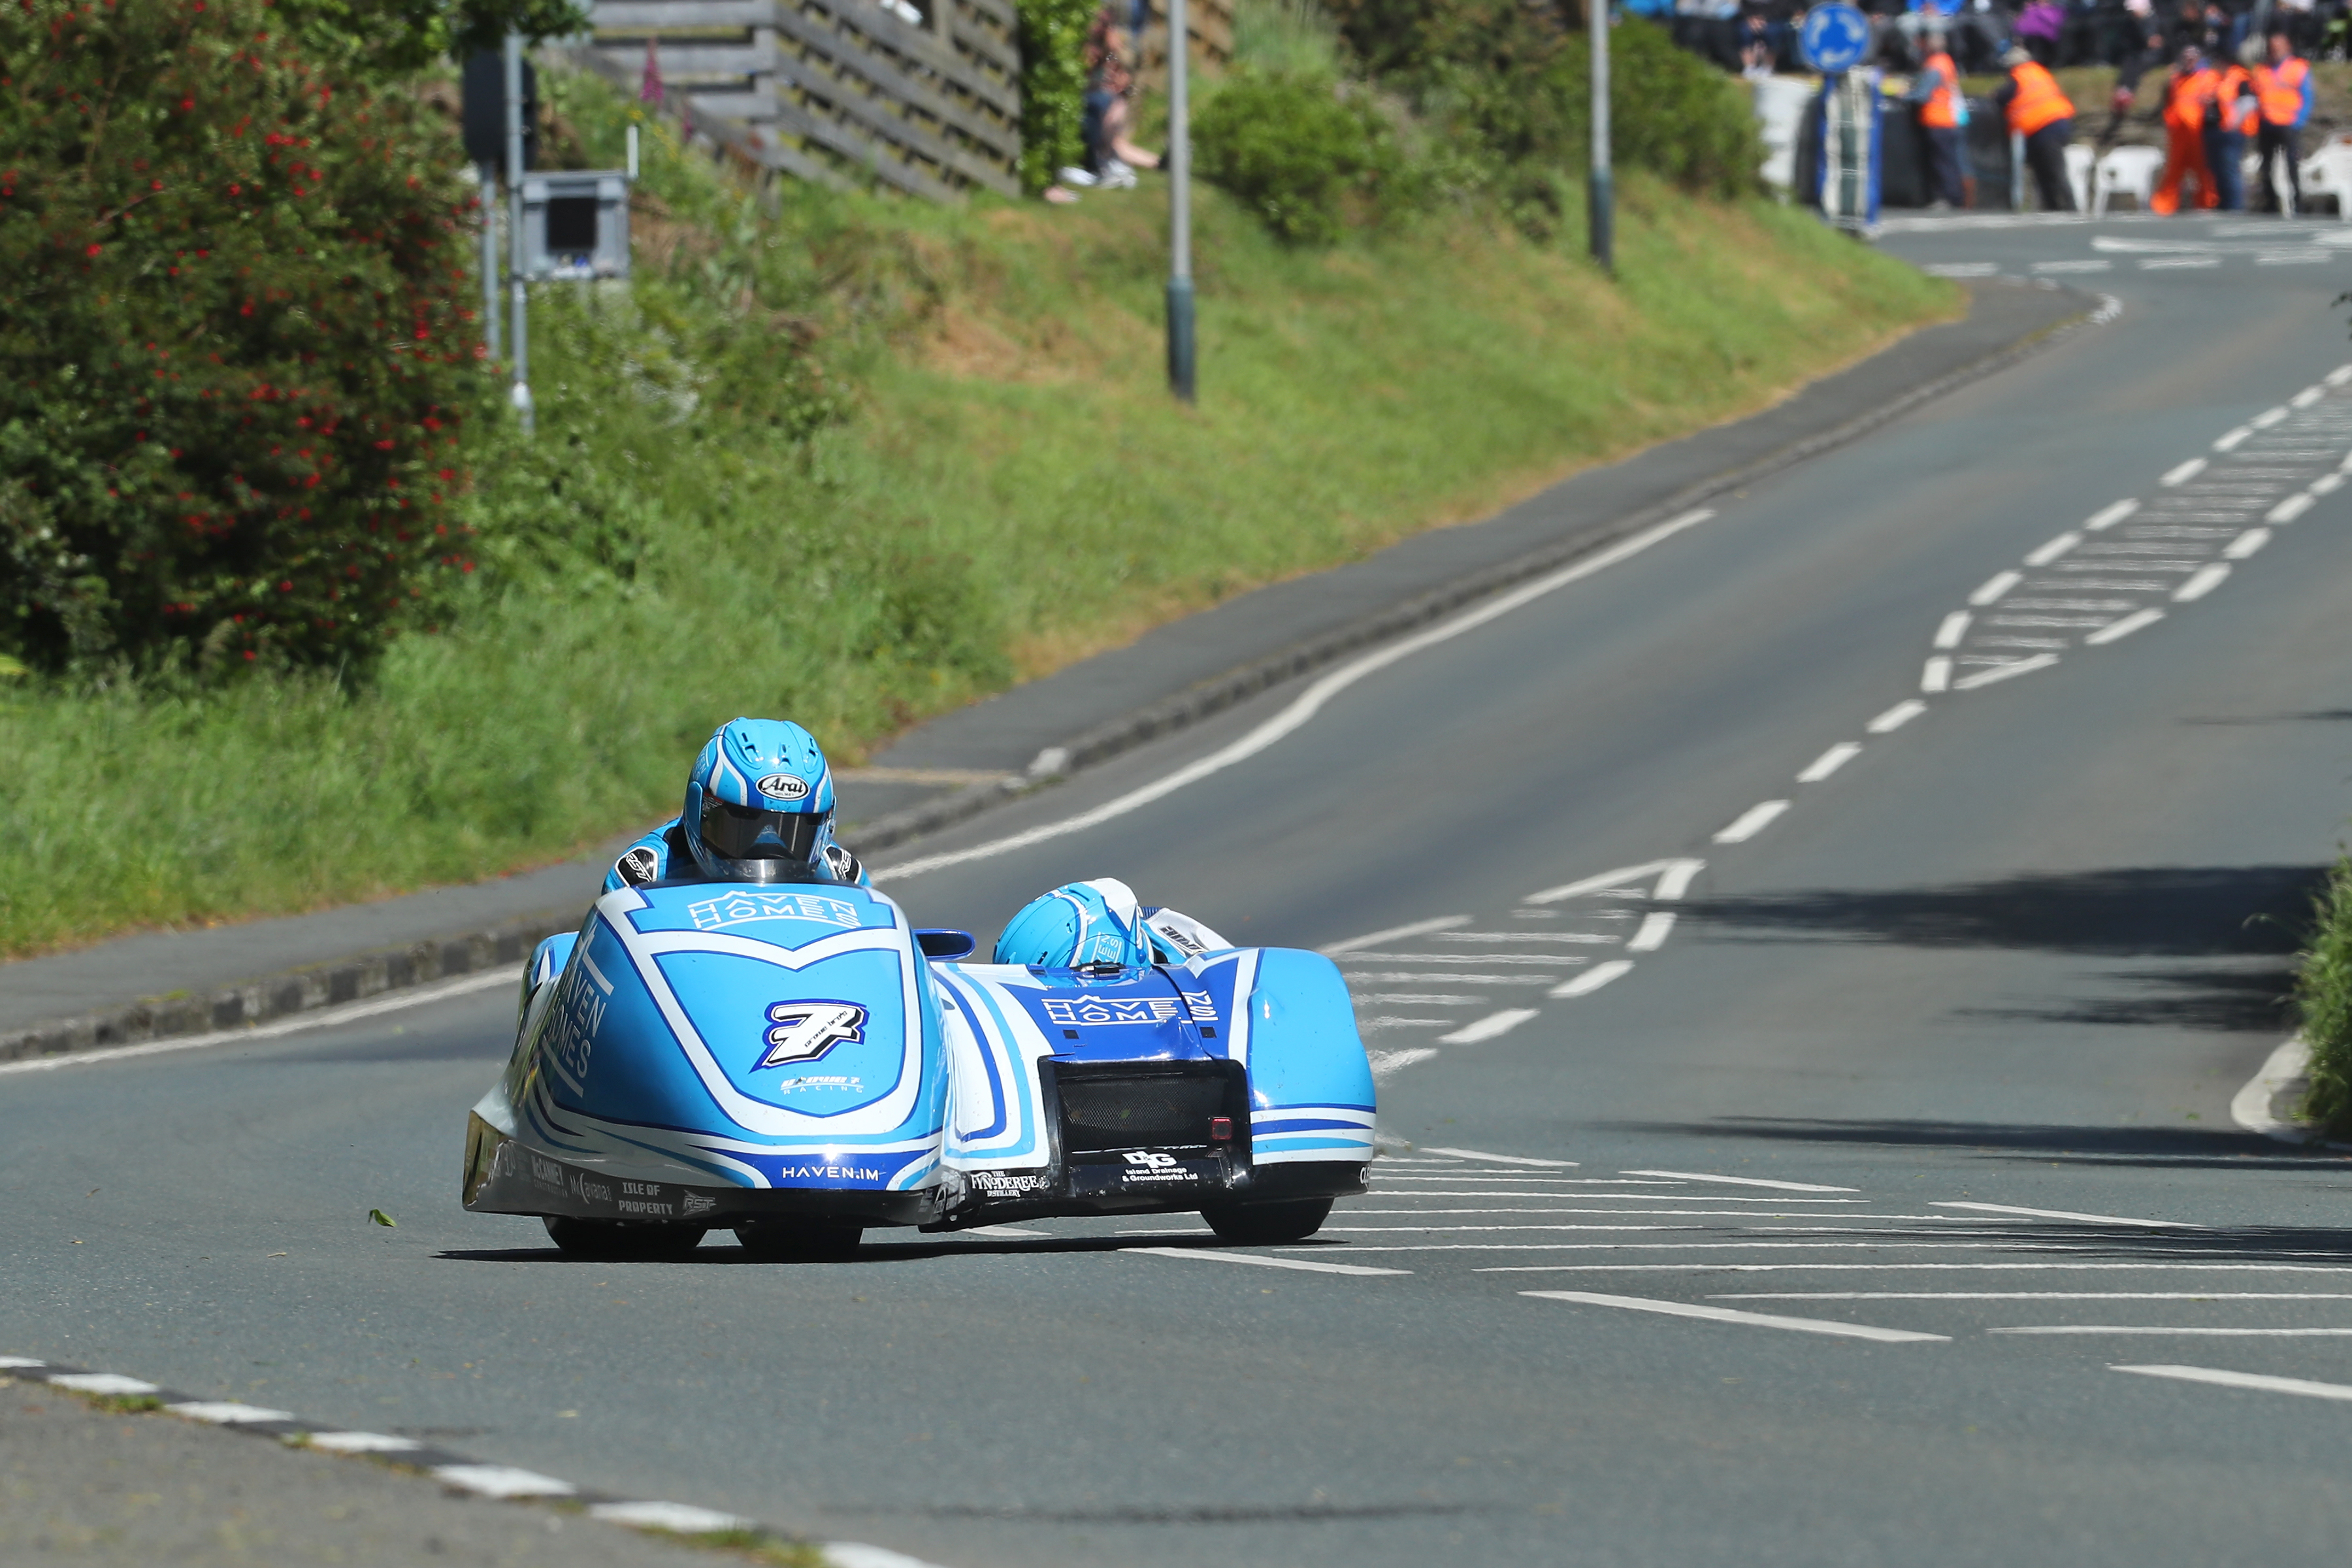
{"x": 1754, "y": 1319}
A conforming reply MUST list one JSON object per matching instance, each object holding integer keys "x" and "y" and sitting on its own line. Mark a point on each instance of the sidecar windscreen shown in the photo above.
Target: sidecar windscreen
{"x": 749, "y": 833}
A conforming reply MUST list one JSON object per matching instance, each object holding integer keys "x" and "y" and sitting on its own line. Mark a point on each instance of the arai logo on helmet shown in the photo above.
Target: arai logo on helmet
{"x": 784, "y": 787}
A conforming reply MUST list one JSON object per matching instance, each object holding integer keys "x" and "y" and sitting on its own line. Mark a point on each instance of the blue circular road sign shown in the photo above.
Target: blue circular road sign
{"x": 1835, "y": 37}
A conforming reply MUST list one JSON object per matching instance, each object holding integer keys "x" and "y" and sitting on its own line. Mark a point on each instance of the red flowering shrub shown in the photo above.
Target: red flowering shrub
{"x": 236, "y": 341}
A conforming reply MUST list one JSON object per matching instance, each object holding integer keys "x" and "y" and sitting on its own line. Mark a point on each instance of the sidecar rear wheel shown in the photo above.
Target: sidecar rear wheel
{"x": 621, "y": 1240}
{"x": 1268, "y": 1225}
{"x": 800, "y": 1240}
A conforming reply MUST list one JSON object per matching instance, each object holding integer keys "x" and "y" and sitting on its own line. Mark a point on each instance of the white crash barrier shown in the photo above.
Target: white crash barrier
{"x": 1780, "y": 109}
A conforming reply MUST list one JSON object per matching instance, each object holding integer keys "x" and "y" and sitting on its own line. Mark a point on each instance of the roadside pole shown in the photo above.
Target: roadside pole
{"x": 514, "y": 231}
{"x": 1600, "y": 194}
{"x": 490, "y": 256}
{"x": 1179, "y": 209}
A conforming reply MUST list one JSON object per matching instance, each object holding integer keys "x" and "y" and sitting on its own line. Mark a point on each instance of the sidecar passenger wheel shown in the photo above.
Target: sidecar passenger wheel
{"x": 1268, "y": 1225}
{"x": 621, "y": 1240}
{"x": 800, "y": 1240}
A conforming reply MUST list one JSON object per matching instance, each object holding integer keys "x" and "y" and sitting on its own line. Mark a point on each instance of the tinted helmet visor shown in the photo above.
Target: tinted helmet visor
{"x": 752, "y": 832}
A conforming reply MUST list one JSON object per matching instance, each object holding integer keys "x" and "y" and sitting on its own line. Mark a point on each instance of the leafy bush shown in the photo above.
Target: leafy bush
{"x": 235, "y": 350}
{"x": 1292, "y": 149}
{"x": 1053, "y": 88}
{"x": 2323, "y": 989}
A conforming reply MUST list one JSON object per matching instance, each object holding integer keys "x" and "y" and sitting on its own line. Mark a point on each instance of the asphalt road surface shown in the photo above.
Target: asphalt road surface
{"x": 1810, "y": 957}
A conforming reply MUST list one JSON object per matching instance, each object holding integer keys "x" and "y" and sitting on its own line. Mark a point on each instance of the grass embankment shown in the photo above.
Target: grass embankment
{"x": 1010, "y": 489}
{"x": 2323, "y": 993}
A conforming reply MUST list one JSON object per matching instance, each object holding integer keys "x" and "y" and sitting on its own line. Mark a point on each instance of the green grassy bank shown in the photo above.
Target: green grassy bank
{"x": 857, "y": 461}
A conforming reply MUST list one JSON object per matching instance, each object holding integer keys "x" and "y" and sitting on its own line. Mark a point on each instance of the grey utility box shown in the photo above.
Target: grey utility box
{"x": 575, "y": 223}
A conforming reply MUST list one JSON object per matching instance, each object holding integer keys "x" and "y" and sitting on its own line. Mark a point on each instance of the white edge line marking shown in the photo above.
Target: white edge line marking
{"x": 1655, "y": 927}
{"x": 226, "y": 1412}
{"x": 1373, "y": 939}
{"x": 678, "y": 1518}
{"x": 2123, "y": 627}
{"x": 2307, "y": 396}
{"x": 2268, "y": 417}
{"x": 363, "y": 1443}
{"x": 502, "y": 1481}
{"x": 2183, "y": 473}
{"x": 325, "y": 1018}
{"x": 2054, "y": 549}
{"x": 1751, "y": 822}
{"x": 2246, "y": 543}
{"x": 1502, "y": 1159}
{"x": 1307, "y": 1264}
{"x": 102, "y": 1383}
{"x": 2287, "y": 511}
{"x": 2228, "y": 442}
{"x": 1830, "y": 761}
{"x": 1744, "y": 1181}
{"x": 2067, "y": 1214}
{"x": 858, "y": 1554}
{"x": 2202, "y": 581}
{"x": 14, "y": 1361}
{"x": 1994, "y": 586}
{"x": 2032, "y": 1295}
{"x": 1491, "y": 1027}
{"x": 1936, "y": 676}
{"x": 2338, "y": 377}
{"x": 2165, "y": 1329}
{"x": 2326, "y": 484}
{"x": 1732, "y": 1315}
{"x": 1999, "y": 673}
{"x": 2252, "y": 1380}
{"x": 1895, "y": 718}
{"x": 2108, "y": 516}
{"x": 1304, "y": 707}
{"x": 2250, "y": 1108}
{"x": 1010, "y": 1230}
{"x": 1953, "y": 628}
{"x": 1593, "y": 979}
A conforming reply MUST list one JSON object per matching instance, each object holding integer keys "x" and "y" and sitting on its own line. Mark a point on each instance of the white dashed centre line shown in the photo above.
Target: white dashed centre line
{"x": 1744, "y": 1182}
{"x": 1830, "y": 761}
{"x": 1903, "y": 712}
{"x": 2246, "y": 543}
{"x": 1954, "y": 627}
{"x": 1593, "y": 979}
{"x": 2164, "y": 1329}
{"x": 2108, "y": 516}
{"x": 1488, "y": 1027}
{"x": 1503, "y": 1159}
{"x": 2289, "y": 509}
{"x": 2183, "y": 473}
{"x": 2066, "y": 1213}
{"x": 1751, "y": 822}
{"x": 2202, "y": 581}
{"x": 1652, "y": 935}
{"x": 1753, "y": 1320}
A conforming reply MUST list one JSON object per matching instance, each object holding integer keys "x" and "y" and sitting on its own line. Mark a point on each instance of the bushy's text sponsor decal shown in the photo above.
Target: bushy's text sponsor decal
{"x": 741, "y": 908}
{"x": 804, "y": 1031}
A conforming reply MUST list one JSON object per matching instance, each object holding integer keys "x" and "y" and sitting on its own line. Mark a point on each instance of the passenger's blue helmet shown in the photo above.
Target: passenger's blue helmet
{"x": 757, "y": 802}
{"x": 1078, "y": 923}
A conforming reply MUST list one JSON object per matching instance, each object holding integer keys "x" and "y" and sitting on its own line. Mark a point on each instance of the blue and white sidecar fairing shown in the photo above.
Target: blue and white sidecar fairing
{"x": 787, "y": 1060}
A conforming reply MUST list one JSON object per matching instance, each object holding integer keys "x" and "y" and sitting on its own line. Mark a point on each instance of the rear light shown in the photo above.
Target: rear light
{"x": 1220, "y": 1129}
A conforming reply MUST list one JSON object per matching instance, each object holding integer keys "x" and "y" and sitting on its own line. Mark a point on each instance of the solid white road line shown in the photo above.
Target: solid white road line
{"x": 1593, "y": 979}
{"x": 1652, "y": 934}
{"x": 1488, "y": 1027}
{"x": 2000, "y": 583}
{"x": 324, "y": 1018}
{"x": 2033, "y": 1296}
{"x": 1744, "y": 1182}
{"x": 227, "y": 1413}
{"x": 2338, "y": 377}
{"x": 2054, "y": 549}
{"x": 1502, "y": 1159}
{"x": 1889, "y": 1267}
{"x": 1305, "y": 1264}
{"x": 2246, "y": 543}
{"x": 1751, "y": 822}
{"x": 2287, "y": 511}
{"x": 500, "y": 1481}
{"x": 112, "y": 1383}
{"x": 1373, "y": 939}
{"x": 2250, "y": 1108}
{"x": 1305, "y": 706}
{"x": 1953, "y": 627}
{"x": 2326, "y": 484}
{"x": 1895, "y": 718}
{"x": 2183, "y": 473}
{"x": 1013, "y": 1231}
{"x": 1937, "y": 675}
{"x": 363, "y": 1443}
{"x": 2212, "y": 1333}
{"x": 2251, "y": 1379}
{"x": 2202, "y": 581}
{"x": 2114, "y": 630}
{"x": 2008, "y": 671}
{"x": 1732, "y": 1315}
{"x": 2066, "y": 1213}
{"x": 858, "y": 1554}
{"x": 1830, "y": 761}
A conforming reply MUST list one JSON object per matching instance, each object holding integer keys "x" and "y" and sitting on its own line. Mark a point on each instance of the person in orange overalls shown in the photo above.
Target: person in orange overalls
{"x": 2187, "y": 97}
{"x": 2232, "y": 115}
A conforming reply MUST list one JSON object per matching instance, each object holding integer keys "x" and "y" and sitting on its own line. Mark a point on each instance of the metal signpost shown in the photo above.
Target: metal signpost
{"x": 1835, "y": 39}
{"x": 1600, "y": 196}
{"x": 514, "y": 229}
{"x": 1179, "y": 209}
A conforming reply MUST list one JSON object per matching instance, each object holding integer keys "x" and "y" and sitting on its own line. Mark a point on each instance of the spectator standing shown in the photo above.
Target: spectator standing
{"x": 2283, "y": 87}
{"x": 2233, "y": 114}
{"x": 1944, "y": 116}
{"x": 2187, "y": 98}
{"x": 1111, "y": 158}
{"x": 2041, "y": 114}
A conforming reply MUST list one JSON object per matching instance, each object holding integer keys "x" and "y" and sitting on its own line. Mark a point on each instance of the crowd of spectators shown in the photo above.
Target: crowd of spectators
{"x": 1758, "y": 38}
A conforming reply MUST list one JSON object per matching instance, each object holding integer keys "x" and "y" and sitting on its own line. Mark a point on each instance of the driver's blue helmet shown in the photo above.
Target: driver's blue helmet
{"x": 757, "y": 802}
{"x": 1076, "y": 924}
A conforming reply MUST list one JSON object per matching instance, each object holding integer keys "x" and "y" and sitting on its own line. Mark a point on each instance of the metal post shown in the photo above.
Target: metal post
{"x": 1600, "y": 194}
{"x": 490, "y": 257}
{"x": 2016, "y": 173}
{"x": 1180, "y": 209}
{"x": 521, "y": 394}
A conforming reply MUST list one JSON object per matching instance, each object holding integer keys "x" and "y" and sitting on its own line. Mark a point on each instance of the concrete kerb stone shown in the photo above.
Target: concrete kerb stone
{"x": 330, "y": 985}
{"x": 392, "y": 969}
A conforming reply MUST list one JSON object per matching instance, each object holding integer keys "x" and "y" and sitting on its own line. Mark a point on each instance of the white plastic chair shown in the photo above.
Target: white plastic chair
{"x": 2079, "y": 160}
{"x": 2125, "y": 171}
{"x": 2328, "y": 173}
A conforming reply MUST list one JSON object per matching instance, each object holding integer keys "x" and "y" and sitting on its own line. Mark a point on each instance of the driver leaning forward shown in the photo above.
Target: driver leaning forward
{"x": 759, "y": 808}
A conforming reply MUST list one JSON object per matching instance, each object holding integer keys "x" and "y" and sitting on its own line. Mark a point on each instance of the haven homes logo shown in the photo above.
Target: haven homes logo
{"x": 742, "y": 909}
{"x": 1072, "y": 1011}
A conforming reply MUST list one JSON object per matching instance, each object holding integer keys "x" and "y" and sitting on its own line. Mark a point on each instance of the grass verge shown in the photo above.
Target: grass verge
{"x": 858, "y": 460}
{"x": 2323, "y": 993}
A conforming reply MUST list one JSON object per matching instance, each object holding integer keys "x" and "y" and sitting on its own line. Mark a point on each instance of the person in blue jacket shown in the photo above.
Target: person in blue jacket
{"x": 759, "y": 808}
